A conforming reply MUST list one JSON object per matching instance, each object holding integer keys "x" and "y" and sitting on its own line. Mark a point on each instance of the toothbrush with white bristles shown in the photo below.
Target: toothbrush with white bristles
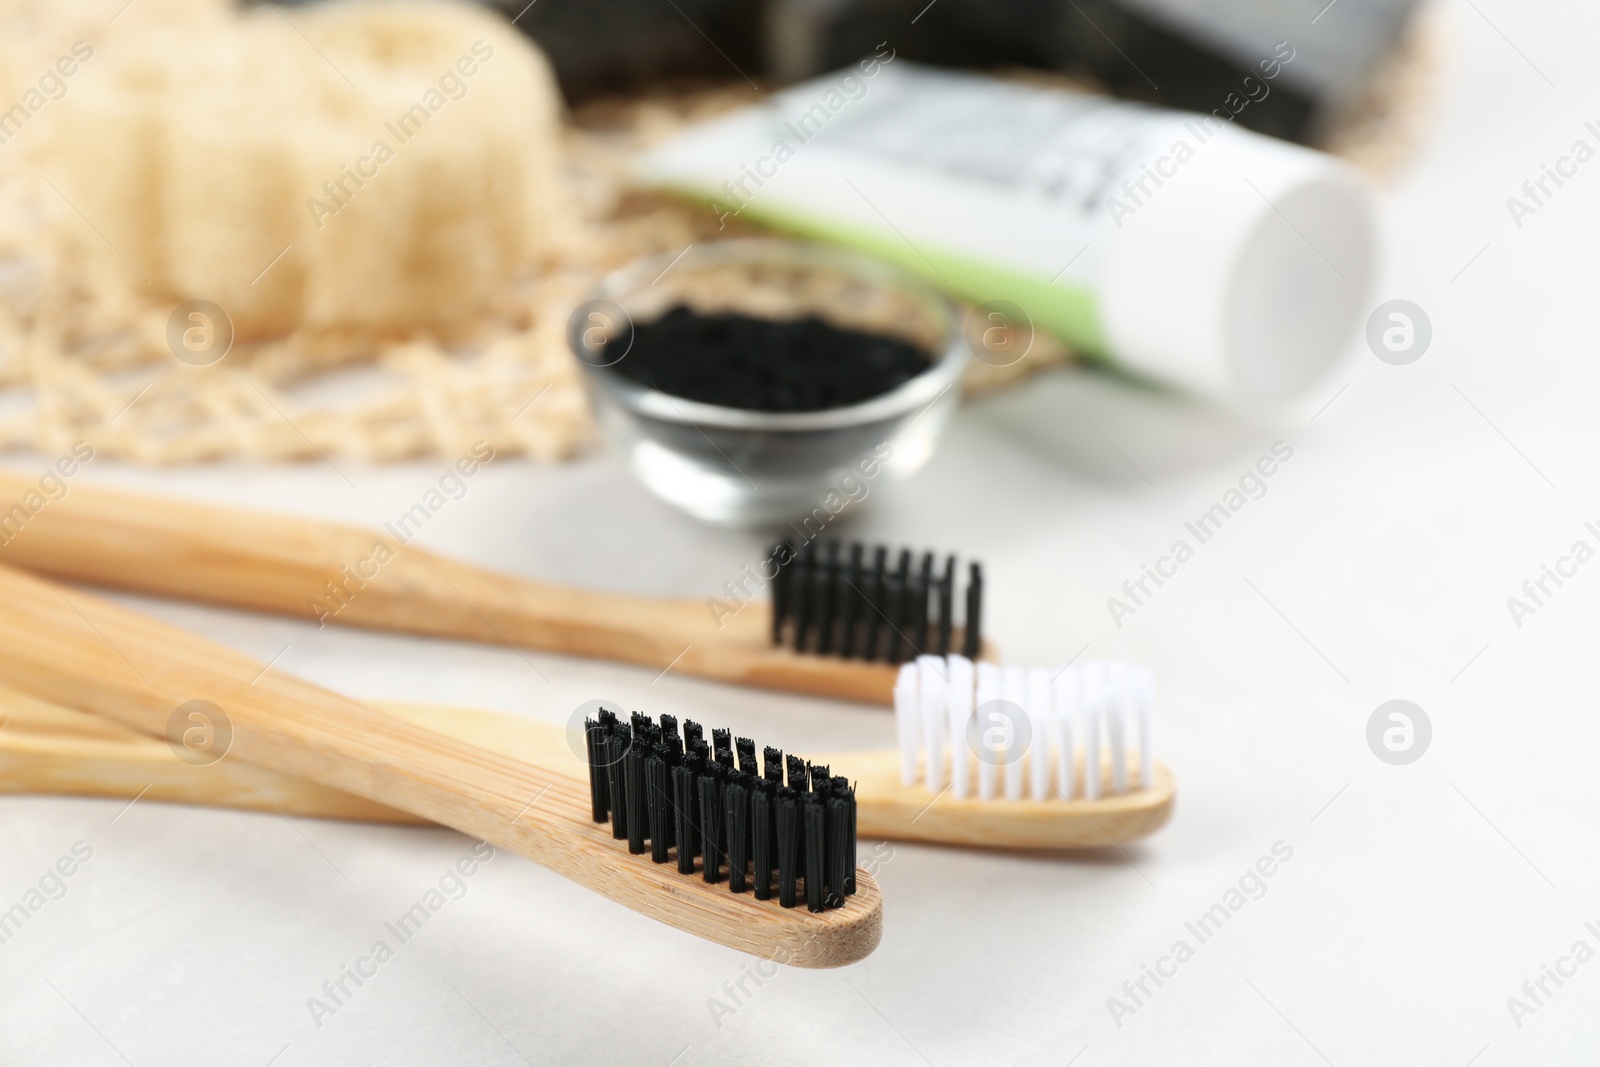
{"x": 46, "y": 749}
{"x": 1036, "y": 726}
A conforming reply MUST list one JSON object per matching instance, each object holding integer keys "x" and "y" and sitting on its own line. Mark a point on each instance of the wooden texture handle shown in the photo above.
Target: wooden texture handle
{"x": 45, "y": 748}
{"x": 48, "y": 749}
{"x": 344, "y": 575}
{"x": 74, "y": 650}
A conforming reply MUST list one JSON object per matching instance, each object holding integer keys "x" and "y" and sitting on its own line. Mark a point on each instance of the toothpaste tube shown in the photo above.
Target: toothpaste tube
{"x": 1175, "y": 245}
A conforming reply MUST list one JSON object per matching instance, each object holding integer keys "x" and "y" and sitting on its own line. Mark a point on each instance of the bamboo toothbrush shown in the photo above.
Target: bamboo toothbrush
{"x": 71, "y": 649}
{"x": 836, "y": 625}
{"x": 49, "y": 749}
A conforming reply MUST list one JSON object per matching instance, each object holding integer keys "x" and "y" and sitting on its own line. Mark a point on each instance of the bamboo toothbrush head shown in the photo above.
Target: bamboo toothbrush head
{"x": 1062, "y": 758}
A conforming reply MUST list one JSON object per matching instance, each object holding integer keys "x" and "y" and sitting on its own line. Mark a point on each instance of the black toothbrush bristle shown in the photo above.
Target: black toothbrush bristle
{"x": 594, "y": 742}
{"x": 894, "y": 598}
{"x": 815, "y": 821}
{"x": 762, "y": 838}
{"x": 836, "y": 581}
{"x": 920, "y": 586}
{"x": 616, "y": 747}
{"x": 800, "y": 595}
{"x": 634, "y": 787}
{"x": 842, "y": 788}
{"x": 974, "y": 621}
{"x": 947, "y": 586}
{"x": 788, "y": 824}
{"x": 783, "y": 559}
{"x": 839, "y": 862}
{"x": 876, "y": 594}
{"x": 736, "y": 800}
{"x": 659, "y": 800}
{"x": 847, "y": 591}
{"x": 711, "y": 828}
{"x": 822, "y": 609}
{"x": 685, "y": 804}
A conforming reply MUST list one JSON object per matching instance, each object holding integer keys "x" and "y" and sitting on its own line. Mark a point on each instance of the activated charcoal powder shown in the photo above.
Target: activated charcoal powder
{"x": 782, "y": 365}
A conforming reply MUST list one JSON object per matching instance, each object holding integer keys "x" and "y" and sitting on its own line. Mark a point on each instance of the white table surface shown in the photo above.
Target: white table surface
{"x": 1417, "y": 900}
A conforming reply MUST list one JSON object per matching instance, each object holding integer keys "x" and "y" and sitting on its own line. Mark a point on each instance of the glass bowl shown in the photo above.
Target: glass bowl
{"x": 737, "y": 467}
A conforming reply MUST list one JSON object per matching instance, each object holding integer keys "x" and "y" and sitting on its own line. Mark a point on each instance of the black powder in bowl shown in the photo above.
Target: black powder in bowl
{"x": 758, "y": 364}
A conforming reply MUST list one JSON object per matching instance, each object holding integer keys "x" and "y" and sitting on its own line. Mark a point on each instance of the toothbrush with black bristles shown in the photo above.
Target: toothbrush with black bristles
{"x": 809, "y": 617}
{"x": 711, "y": 809}
{"x": 73, "y": 650}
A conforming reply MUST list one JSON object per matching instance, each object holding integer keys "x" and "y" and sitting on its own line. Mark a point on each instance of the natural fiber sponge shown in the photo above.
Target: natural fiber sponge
{"x": 366, "y": 171}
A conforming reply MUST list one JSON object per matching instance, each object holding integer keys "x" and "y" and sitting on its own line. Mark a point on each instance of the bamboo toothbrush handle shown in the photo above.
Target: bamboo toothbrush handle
{"x": 72, "y": 649}
{"x": 320, "y": 571}
{"x": 329, "y": 573}
{"x": 45, "y": 748}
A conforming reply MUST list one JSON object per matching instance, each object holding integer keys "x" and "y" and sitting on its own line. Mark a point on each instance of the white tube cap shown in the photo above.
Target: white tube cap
{"x": 1244, "y": 275}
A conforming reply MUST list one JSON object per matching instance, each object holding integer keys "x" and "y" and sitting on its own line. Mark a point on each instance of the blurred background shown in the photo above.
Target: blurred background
{"x": 389, "y": 317}
{"x": 367, "y": 315}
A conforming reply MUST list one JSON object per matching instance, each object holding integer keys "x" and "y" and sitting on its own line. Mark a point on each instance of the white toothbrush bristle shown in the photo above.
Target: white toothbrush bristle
{"x": 906, "y": 711}
{"x": 1014, "y": 691}
{"x": 1039, "y": 721}
{"x": 1064, "y": 695}
{"x": 959, "y": 700}
{"x": 1090, "y": 696}
{"x": 1145, "y": 694}
{"x": 1117, "y": 700}
{"x": 933, "y": 695}
{"x": 988, "y": 692}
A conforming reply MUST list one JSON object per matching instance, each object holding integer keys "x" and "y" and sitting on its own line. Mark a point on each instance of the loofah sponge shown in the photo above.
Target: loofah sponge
{"x": 366, "y": 172}
{"x": 369, "y": 191}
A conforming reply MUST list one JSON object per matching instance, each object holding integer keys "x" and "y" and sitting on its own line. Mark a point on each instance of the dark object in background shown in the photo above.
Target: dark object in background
{"x": 605, "y": 47}
{"x": 610, "y": 47}
{"x": 757, "y": 364}
{"x": 1188, "y": 54}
